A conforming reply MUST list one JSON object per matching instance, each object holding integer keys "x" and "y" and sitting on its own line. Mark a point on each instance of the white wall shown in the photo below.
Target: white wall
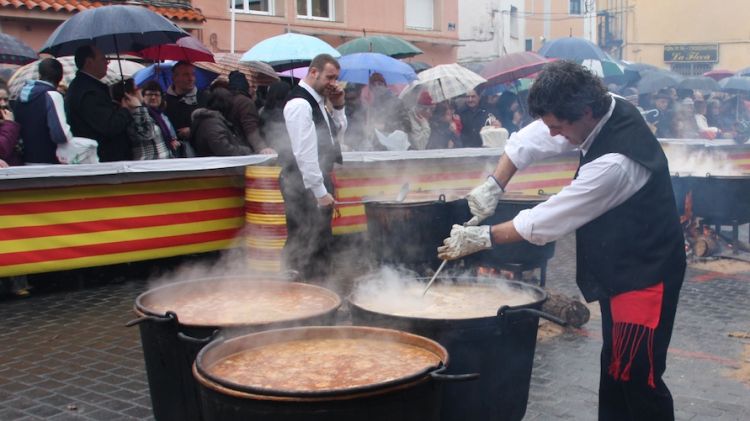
{"x": 484, "y": 29}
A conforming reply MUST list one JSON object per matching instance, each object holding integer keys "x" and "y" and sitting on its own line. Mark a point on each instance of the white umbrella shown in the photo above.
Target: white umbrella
{"x": 445, "y": 81}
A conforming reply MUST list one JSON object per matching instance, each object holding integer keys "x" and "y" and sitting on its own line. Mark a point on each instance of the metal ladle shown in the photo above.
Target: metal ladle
{"x": 437, "y": 272}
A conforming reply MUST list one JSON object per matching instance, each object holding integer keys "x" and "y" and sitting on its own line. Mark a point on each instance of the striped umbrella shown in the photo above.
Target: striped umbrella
{"x": 261, "y": 74}
{"x": 445, "y": 81}
{"x": 13, "y": 51}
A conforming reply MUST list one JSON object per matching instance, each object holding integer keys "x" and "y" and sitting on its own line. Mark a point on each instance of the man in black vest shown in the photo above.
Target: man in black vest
{"x": 307, "y": 164}
{"x": 629, "y": 242}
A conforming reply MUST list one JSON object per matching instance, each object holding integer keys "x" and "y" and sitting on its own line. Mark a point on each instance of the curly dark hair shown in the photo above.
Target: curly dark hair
{"x": 564, "y": 89}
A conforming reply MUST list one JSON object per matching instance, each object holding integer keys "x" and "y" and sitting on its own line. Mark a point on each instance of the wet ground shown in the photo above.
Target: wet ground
{"x": 66, "y": 354}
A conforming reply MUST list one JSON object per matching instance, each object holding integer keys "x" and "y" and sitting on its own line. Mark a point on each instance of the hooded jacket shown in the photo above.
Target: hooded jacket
{"x": 40, "y": 110}
{"x": 213, "y": 135}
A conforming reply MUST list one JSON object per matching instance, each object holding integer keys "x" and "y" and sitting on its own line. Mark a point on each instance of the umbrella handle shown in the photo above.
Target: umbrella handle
{"x": 117, "y": 52}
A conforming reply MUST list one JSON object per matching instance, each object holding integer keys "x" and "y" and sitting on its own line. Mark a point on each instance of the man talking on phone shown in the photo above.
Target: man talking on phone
{"x": 305, "y": 180}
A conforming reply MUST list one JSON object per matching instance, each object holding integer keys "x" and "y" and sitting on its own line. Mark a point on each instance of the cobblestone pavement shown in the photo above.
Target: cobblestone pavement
{"x": 66, "y": 354}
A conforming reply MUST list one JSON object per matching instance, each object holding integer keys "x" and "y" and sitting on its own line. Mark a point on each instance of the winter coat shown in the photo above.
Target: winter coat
{"x": 213, "y": 135}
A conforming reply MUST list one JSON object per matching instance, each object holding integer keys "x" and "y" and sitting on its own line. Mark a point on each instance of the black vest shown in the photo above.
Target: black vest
{"x": 329, "y": 152}
{"x": 640, "y": 242}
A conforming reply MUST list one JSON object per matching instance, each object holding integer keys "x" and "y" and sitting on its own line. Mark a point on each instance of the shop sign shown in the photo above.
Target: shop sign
{"x": 690, "y": 53}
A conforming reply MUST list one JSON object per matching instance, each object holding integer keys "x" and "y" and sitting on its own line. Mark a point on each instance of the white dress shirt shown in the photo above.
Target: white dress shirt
{"x": 602, "y": 184}
{"x": 304, "y": 138}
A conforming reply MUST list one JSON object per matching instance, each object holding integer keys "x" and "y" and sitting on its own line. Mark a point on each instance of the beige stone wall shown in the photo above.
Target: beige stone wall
{"x": 649, "y": 25}
{"x": 551, "y": 19}
{"x": 352, "y": 16}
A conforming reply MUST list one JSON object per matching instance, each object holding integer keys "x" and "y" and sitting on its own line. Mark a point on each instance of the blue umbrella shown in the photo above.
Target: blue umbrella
{"x": 163, "y": 75}
{"x": 358, "y": 67}
{"x": 112, "y": 29}
{"x": 13, "y": 51}
{"x": 288, "y": 51}
{"x": 572, "y": 48}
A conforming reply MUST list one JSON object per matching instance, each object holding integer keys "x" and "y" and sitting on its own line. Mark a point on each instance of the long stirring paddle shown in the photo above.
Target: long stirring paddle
{"x": 434, "y": 277}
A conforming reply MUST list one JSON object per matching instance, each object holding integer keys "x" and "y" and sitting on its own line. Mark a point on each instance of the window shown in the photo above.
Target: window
{"x": 575, "y": 7}
{"x": 514, "y": 22}
{"x": 261, "y": 7}
{"x": 529, "y": 44}
{"x": 315, "y": 9}
{"x": 420, "y": 14}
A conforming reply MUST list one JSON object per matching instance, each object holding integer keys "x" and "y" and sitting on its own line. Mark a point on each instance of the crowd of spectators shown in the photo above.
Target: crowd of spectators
{"x": 231, "y": 118}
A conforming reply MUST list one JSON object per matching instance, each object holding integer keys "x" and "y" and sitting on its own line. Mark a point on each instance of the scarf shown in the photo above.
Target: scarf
{"x": 190, "y": 98}
{"x": 167, "y": 133}
{"x": 635, "y": 315}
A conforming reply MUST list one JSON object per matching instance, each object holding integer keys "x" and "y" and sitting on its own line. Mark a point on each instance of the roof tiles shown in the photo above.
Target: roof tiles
{"x": 176, "y": 12}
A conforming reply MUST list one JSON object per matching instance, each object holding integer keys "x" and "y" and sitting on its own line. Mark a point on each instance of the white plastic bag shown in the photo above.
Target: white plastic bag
{"x": 493, "y": 137}
{"x": 395, "y": 141}
{"x": 78, "y": 150}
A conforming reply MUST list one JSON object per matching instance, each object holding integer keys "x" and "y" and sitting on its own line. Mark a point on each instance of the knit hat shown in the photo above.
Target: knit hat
{"x": 238, "y": 82}
{"x": 376, "y": 77}
{"x": 425, "y": 98}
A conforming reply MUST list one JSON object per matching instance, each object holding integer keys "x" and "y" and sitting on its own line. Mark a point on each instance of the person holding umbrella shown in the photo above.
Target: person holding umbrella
{"x": 91, "y": 112}
{"x": 629, "y": 243}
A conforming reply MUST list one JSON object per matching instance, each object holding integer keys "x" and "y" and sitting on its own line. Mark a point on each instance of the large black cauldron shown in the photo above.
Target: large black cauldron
{"x": 171, "y": 339}
{"x": 500, "y": 348}
{"x": 414, "y": 396}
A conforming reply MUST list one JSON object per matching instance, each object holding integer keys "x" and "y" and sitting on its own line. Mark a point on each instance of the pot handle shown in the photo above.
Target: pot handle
{"x": 199, "y": 341}
{"x": 168, "y": 317}
{"x": 506, "y": 310}
{"x": 439, "y": 376}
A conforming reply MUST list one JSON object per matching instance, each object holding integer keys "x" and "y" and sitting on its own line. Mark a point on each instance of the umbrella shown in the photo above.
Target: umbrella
{"x": 297, "y": 72}
{"x": 288, "y": 51}
{"x": 260, "y": 73}
{"x": 608, "y": 70}
{"x": 700, "y": 83}
{"x": 13, "y": 51}
{"x": 358, "y": 67}
{"x": 445, "y": 81}
{"x": 512, "y": 66}
{"x": 572, "y": 48}
{"x": 162, "y": 72}
{"x": 31, "y": 72}
{"x": 185, "y": 49}
{"x": 384, "y": 44}
{"x": 736, "y": 83}
{"x": 719, "y": 74}
{"x": 419, "y": 66}
{"x": 653, "y": 80}
{"x": 112, "y": 29}
{"x": 743, "y": 72}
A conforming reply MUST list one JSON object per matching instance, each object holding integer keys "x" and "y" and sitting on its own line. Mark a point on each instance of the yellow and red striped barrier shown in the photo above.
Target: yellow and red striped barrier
{"x": 265, "y": 222}
{"x": 61, "y": 228}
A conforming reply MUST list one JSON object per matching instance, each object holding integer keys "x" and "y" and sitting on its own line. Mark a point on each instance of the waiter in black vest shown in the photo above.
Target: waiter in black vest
{"x": 307, "y": 164}
{"x": 629, "y": 242}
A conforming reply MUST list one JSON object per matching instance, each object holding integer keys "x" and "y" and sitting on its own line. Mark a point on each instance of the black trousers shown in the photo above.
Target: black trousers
{"x": 634, "y": 399}
{"x": 309, "y": 234}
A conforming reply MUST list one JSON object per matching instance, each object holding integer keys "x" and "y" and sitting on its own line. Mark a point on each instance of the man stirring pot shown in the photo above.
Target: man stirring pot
{"x": 629, "y": 242}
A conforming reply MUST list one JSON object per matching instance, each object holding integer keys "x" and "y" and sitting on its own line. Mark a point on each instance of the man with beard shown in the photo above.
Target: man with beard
{"x": 629, "y": 242}
{"x": 473, "y": 118}
{"x": 306, "y": 183}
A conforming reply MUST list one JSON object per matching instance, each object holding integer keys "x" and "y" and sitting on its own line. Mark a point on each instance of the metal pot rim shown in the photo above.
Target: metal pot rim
{"x": 224, "y": 386}
{"x": 465, "y": 279}
{"x": 140, "y": 307}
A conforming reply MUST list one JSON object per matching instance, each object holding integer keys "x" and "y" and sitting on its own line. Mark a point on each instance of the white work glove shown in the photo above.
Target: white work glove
{"x": 464, "y": 241}
{"x": 483, "y": 200}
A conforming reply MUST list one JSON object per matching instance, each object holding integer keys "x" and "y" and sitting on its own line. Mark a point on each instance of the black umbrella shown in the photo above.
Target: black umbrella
{"x": 652, "y": 81}
{"x": 13, "y": 51}
{"x": 735, "y": 83}
{"x": 419, "y": 66}
{"x": 112, "y": 29}
{"x": 700, "y": 83}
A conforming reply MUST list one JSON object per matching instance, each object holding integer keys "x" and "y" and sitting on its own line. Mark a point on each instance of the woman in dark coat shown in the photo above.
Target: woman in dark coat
{"x": 213, "y": 134}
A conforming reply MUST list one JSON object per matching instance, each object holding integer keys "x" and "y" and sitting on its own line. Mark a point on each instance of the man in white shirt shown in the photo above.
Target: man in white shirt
{"x": 629, "y": 243}
{"x": 306, "y": 182}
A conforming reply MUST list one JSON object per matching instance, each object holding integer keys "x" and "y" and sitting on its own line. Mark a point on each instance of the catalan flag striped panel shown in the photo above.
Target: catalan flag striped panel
{"x": 61, "y": 228}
